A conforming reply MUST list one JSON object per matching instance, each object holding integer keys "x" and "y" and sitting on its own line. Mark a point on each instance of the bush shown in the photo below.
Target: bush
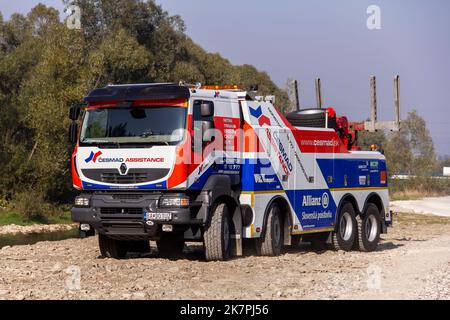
{"x": 419, "y": 187}
{"x": 3, "y": 204}
{"x": 31, "y": 206}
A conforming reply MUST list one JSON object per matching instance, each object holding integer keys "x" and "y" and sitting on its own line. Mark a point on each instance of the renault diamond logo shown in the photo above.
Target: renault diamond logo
{"x": 123, "y": 169}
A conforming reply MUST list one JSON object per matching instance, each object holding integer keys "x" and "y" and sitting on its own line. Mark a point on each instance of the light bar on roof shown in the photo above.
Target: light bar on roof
{"x": 221, "y": 87}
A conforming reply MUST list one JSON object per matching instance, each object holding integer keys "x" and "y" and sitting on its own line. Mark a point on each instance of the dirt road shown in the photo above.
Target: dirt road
{"x": 413, "y": 261}
{"x": 438, "y": 206}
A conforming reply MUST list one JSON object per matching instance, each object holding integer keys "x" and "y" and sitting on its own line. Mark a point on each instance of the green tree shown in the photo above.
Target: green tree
{"x": 54, "y": 83}
{"x": 41, "y": 17}
{"x": 188, "y": 72}
{"x": 119, "y": 59}
{"x": 411, "y": 151}
{"x": 366, "y": 139}
{"x": 398, "y": 154}
{"x": 16, "y": 31}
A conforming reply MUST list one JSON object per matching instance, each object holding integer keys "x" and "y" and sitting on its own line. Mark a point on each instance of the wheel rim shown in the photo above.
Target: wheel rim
{"x": 371, "y": 228}
{"x": 276, "y": 231}
{"x": 346, "y": 226}
{"x": 226, "y": 235}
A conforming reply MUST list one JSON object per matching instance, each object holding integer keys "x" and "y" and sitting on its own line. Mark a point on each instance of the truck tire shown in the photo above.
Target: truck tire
{"x": 170, "y": 246}
{"x": 272, "y": 242}
{"x": 343, "y": 238}
{"x": 111, "y": 248}
{"x": 217, "y": 236}
{"x": 312, "y": 118}
{"x": 369, "y": 229}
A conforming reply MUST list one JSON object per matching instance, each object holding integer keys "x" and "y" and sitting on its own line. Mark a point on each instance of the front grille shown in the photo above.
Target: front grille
{"x": 127, "y": 196}
{"x": 134, "y": 176}
{"x": 121, "y": 211}
{"x": 130, "y": 178}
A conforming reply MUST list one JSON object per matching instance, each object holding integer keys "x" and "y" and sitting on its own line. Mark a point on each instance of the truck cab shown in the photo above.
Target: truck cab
{"x": 174, "y": 163}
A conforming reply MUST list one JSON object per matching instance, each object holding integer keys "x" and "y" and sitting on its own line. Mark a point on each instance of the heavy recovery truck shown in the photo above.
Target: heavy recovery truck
{"x": 173, "y": 163}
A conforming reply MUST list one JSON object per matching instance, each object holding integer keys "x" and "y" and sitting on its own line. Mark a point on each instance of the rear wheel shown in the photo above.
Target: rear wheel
{"x": 217, "y": 236}
{"x": 170, "y": 246}
{"x": 272, "y": 242}
{"x": 343, "y": 238}
{"x": 112, "y": 248}
{"x": 368, "y": 229}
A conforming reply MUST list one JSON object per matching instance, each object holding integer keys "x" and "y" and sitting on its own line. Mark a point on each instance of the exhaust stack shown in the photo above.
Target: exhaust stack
{"x": 297, "y": 99}
{"x": 318, "y": 93}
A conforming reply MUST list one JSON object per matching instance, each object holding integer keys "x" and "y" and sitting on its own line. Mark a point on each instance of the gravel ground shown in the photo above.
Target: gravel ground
{"x": 36, "y": 228}
{"x": 412, "y": 263}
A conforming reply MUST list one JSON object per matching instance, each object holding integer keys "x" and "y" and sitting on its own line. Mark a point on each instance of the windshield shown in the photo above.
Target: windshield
{"x": 138, "y": 125}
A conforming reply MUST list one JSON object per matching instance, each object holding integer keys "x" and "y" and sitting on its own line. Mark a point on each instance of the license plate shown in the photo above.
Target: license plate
{"x": 159, "y": 216}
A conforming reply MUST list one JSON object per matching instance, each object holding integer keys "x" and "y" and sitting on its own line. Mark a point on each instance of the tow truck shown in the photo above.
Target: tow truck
{"x": 176, "y": 163}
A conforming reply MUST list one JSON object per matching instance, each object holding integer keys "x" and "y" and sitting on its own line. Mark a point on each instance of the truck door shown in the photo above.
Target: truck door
{"x": 227, "y": 123}
{"x": 197, "y": 166}
{"x": 224, "y": 152}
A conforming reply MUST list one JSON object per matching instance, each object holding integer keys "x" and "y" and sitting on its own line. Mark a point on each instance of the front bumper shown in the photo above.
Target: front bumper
{"x": 124, "y": 215}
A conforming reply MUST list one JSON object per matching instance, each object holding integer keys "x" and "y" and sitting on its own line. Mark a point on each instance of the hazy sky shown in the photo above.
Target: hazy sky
{"x": 330, "y": 40}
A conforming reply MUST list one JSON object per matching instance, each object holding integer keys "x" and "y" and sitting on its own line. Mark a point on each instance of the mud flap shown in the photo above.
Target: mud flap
{"x": 236, "y": 240}
{"x": 236, "y": 235}
{"x": 287, "y": 241}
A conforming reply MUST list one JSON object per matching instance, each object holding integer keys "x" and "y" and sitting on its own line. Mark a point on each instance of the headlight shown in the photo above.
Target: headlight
{"x": 82, "y": 201}
{"x": 174, "y": 202}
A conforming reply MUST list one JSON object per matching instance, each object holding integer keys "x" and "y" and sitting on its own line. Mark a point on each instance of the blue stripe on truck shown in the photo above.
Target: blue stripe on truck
{"x": 352, "y": 173}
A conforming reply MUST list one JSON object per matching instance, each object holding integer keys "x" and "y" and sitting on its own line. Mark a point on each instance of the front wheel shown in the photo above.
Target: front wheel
{"x": 217, "y": 235}
{"x": 343, "y": 238}
{"x": 368, "y": 229}
{"x": 112, "y": 248}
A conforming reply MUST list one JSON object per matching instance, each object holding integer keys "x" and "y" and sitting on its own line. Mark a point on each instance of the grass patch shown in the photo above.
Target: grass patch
{"x": 420, "y": 219}
{"x": 63, "y": 218}
{"x": 13, "y": 218}
{"x": 414, "y": 195}
{"x": 7, "y": 217}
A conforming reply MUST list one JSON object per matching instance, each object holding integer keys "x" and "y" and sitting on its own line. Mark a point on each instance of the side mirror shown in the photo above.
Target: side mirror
{"x": 74, "y": 112}
{"x": 207, "y": 109}
{"x": 207, "y": 131}
{"x": 73, "y": 133}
